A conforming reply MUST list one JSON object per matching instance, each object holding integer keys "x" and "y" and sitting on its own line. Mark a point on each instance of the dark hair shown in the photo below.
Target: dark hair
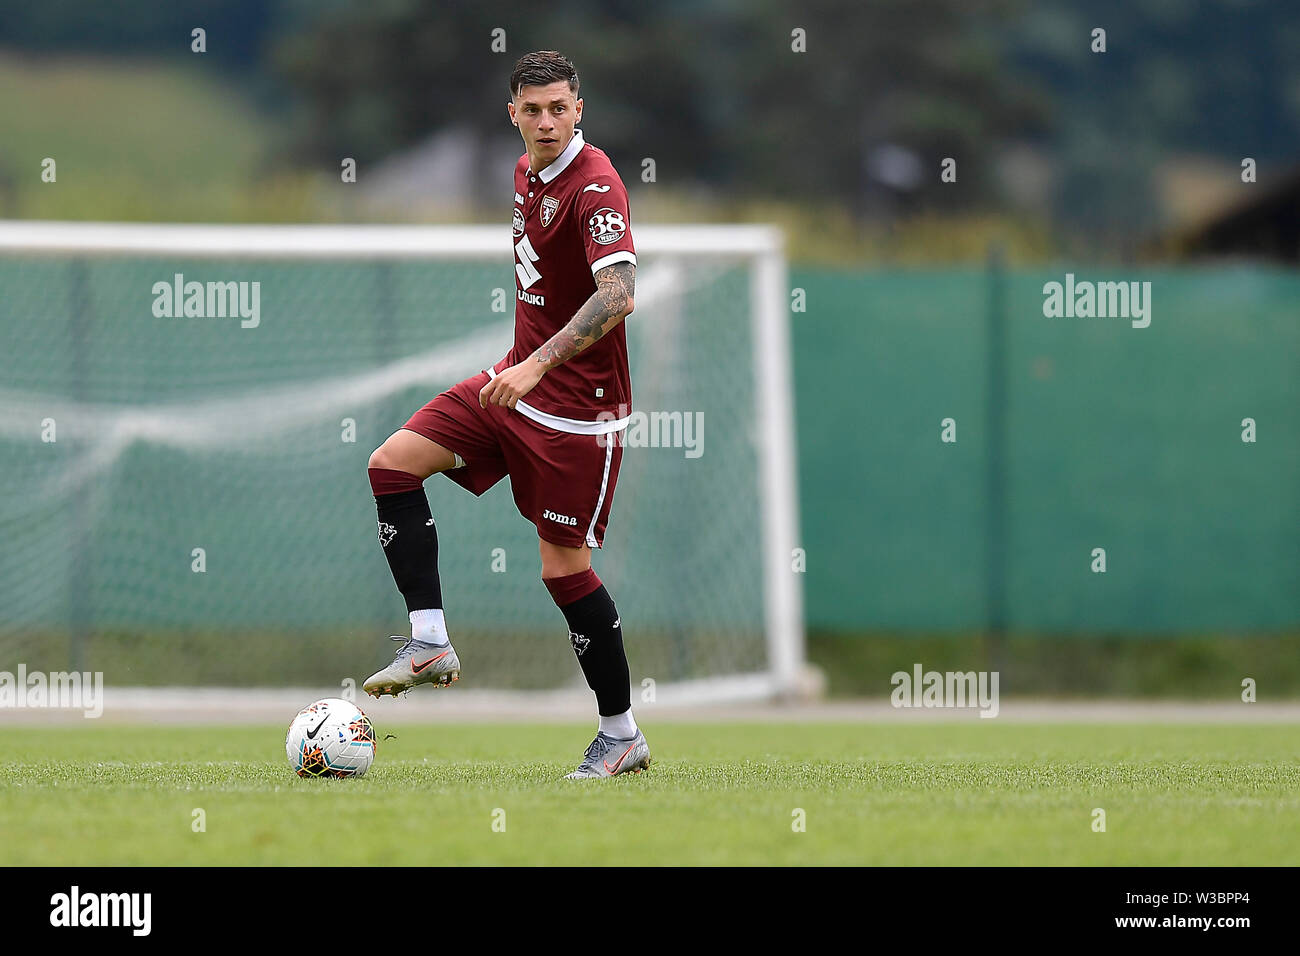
{"x": 541, "y": 69}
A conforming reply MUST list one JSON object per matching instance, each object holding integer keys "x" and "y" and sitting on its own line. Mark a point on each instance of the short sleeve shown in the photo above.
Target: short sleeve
{"x": 604, "y": 221}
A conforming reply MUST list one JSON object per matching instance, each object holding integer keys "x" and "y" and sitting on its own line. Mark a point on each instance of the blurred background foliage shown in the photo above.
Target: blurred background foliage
{"x": 1060, "y": 151}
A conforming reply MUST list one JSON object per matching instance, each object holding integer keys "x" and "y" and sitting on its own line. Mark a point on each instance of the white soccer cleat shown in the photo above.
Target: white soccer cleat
{"x": 416, "y": 663}
{"x": 609, "y": 756}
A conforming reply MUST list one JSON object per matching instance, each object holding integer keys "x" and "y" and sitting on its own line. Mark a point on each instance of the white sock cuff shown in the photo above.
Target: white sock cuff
{"x": 428, "y": 626}
{"x": 620, "y": 725}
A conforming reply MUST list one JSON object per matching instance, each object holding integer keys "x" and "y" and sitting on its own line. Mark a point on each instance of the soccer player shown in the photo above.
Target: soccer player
{"x": 547, "y": 414}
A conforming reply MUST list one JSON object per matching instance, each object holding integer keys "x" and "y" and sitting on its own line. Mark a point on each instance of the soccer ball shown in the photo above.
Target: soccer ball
{"x": 331, "y": 738}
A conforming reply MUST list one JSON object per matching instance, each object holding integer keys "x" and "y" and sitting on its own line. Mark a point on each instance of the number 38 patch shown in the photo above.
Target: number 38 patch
{"x": 606, "y": 226}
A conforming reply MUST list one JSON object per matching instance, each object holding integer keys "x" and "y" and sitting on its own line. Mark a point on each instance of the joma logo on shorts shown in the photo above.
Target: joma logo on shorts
{"x": 562, "y": 519}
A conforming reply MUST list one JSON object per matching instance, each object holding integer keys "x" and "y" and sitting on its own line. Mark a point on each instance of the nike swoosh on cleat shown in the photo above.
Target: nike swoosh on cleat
{"x": 614, "y": 769}
{"x": 416, "y": 670}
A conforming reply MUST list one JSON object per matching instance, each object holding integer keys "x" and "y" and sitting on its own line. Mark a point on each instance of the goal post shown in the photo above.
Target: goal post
{"x": 186, "y": 412}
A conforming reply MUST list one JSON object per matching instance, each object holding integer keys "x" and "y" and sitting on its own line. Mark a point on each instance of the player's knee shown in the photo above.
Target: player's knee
{"x": 389, "y": 474}
{"x": 559, "y": 561}
{"x": 570, "y": 586}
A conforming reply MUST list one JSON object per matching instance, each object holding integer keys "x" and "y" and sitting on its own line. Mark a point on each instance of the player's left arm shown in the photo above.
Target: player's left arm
{"x": 609, "y": 305}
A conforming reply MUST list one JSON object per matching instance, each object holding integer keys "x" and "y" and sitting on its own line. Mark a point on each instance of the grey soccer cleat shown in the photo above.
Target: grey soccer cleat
{"x": 416, "y": 663}
{"x": 608, "y": 756}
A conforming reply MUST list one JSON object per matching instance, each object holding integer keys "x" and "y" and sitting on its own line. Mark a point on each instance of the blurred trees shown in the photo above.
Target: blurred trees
{"x": 713, "y": 91}
{"x": 237, "y": 29}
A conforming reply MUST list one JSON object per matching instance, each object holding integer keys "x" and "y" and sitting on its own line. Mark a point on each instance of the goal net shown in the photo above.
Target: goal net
{"x": 186, "y": 414}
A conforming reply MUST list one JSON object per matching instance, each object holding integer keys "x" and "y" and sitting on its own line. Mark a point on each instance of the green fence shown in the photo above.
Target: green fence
{"x": 1105, "y": 436}
{"x": 1071, "y": 434}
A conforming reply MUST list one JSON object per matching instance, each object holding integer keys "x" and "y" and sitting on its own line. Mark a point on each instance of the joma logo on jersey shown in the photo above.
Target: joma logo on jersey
{"x": 562, "y": 519}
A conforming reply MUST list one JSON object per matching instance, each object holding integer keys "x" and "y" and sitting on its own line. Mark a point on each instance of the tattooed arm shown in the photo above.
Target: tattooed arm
{"x": 608, "y": 306}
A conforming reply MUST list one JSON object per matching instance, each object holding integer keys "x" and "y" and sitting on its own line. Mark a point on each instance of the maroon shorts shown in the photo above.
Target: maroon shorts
{"x": 562, "y": 482}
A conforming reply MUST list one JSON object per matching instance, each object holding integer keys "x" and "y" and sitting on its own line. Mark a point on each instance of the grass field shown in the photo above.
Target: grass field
{"x": 718, "y": 793}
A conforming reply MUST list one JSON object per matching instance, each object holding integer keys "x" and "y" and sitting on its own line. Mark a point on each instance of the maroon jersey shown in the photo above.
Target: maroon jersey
{"x": 570, "y": 220}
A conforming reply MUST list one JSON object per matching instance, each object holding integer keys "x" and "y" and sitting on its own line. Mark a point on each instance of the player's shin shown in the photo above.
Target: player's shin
{"x": 597, "y": 637}
{"x": 410, "y": 542}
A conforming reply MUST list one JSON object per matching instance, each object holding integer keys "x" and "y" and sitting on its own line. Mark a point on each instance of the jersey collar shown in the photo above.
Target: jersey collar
{"x": 561, "y": 162}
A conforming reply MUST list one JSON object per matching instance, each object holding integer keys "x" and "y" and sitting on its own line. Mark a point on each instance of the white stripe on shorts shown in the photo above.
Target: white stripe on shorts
{"x": 600, "y": 502}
